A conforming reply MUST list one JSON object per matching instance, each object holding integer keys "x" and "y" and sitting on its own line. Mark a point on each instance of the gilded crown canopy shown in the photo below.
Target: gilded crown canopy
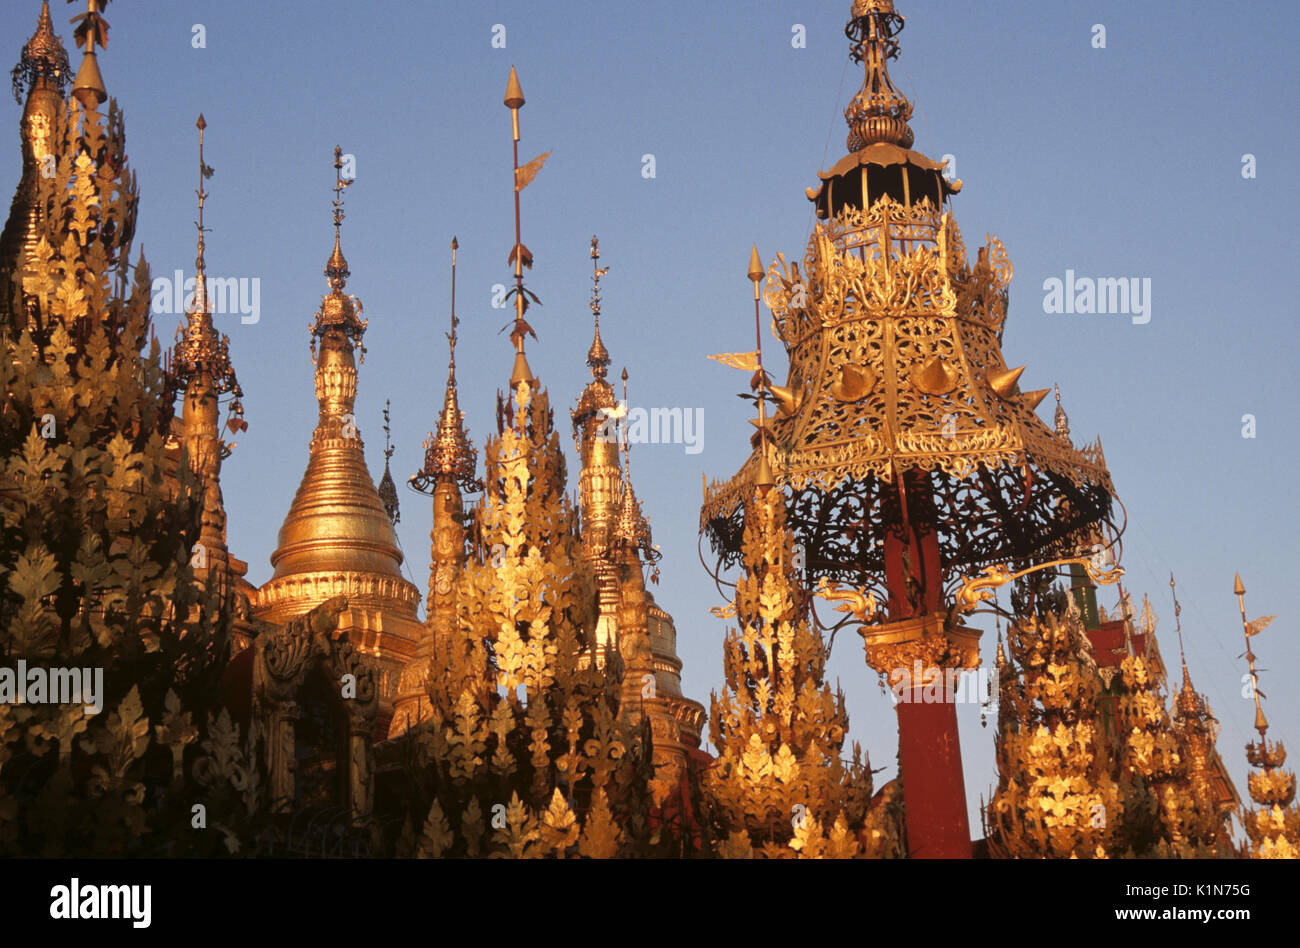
{"x": 896, "y": 367}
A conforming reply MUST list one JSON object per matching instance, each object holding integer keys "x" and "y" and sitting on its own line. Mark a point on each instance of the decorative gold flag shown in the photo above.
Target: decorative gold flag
{"x": 1258, "y": 626}
{"x": 524, "y": 176}
{"x": 738, "y": 360}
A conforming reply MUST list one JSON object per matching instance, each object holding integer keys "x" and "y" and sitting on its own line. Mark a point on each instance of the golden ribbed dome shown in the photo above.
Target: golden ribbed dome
{"x": 337, "y": 520}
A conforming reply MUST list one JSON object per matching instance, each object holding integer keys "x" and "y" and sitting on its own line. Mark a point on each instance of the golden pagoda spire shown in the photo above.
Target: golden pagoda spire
{"x": 338, "y": 538}
{"x": 596, "y": 432}
{"x": 41, "y": 74}
{"x": 879, "y": 112}
{"x": 1194, "y": 809}
{"x": 1274, "y": 827}
{"x": 1062, "y": 419}
{"x": 449, "y": 454}
{"x": 201, "y": 369}
{"x": 449, "y": 462}
{"x": 632, "y": 530}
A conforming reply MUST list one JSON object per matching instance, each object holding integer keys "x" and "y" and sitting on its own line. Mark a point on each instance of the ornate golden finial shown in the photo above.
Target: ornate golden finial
{"x": 451, "y": 336}
{"x": 200, "y": 265}
{"x": 201, "y": 354}
{"x": 42, "y": 58}
{"x": 763, "y": 478}
{"x": 336, "y": 268}
{"x": 879, "y": 112}
{"x": 449, "y": 455}
{"x": 1274, "y": 827}
{"x": 339, "y": 311}
{"x": 1252, "y": 629}
{"x": 1178, "y": 626}
{"x": 633, "y": 529}
{"x": 597, "y": 355}
{"x": 92, "y": 29}
{"x": 1062, "y": 419}
{"x": 520, "y": 256}
{"x": 387, "y": 489}
{"x": 1189, "y": 705}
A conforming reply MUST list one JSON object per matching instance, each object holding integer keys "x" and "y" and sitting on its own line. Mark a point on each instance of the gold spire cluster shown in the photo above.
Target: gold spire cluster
{"x": 1056, "y": 795}
{"x": 618, "y": 544}
{"x": 1195, "y": 813}
{"x": 1274, "y": 826}
{"x": 781, "y": 787}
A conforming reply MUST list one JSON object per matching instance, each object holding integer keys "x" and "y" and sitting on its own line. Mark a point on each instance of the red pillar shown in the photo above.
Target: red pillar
{"x": 934, "y": 791}
{"x": 929, "y": 751}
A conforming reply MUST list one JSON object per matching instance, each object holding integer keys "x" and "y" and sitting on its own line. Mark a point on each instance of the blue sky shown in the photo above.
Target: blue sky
{"x": 1118, "y": 162}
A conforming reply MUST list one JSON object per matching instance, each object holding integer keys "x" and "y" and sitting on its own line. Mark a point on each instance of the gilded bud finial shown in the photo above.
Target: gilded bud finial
{"x": 43, "y": 58}
{"x": 879, "y": 112}
{"x": 336, "y": 268}
{"x": 387, "y": 489}
{"x": 201, "y": 355}
{"x": 200, "y": 368}
{"x": 1062, "y": 419}
{"x": 339, "y": 311}
{"x": 597, "y": 356}
{"x": 632, "y": 528}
